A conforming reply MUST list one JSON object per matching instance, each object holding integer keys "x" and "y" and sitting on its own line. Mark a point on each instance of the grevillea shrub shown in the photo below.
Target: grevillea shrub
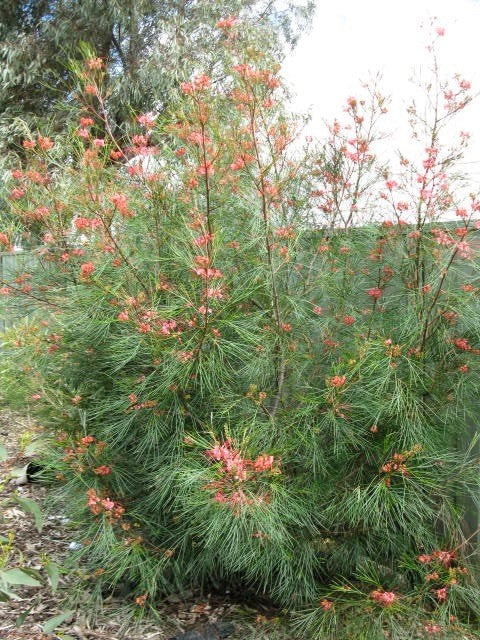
{"x": 257, "y": 364}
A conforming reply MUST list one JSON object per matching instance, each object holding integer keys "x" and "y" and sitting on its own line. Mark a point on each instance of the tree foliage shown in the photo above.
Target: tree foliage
{"x": 149, "y": 45}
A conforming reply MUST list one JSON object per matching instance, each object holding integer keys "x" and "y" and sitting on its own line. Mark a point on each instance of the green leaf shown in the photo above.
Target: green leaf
{"x": 21, "y": 618}
{"x": 51, "y": 624}
{"x": 3, "y": 453}
{"x": 53, "y": 574}
{"x": 31, "y": 507}
{"x": 17, "y": 576}
{"x": 6, "y": 595}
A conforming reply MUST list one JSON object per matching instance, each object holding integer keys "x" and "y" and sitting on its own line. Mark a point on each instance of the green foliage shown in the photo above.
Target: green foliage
{"x": 16, "y": 576}
{"x": 56, "y": 621}
{"x": 248, "y": 382}
{"x": 30, "y": 506}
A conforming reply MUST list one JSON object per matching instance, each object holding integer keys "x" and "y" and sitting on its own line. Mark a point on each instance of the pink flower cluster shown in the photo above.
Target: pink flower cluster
{"x": 88, "y": 444}
{"x": 462, "y": 344}
{"x": 136, "y": 405}
{"x": 102, "y": 470}
{"x": 241, "y": 161}
{"x": 86, "y": 269}
{"x": 5, "y": 242}
{"x": 84, "y": 224}
{"x": 336, "y": 381}
{"x": 199, "y": 83}
{"x": 326, "y": 604}
{"x": 147, "y": 320}
{"x": 44, "y": 143}
{"x": 146, "y": 120}
{"x": 97, "y": 505}
{"x": 442, "y": 238}
{"x": 375, "y": 293}
{"x": 226, "y": 23}
{"x": 236, "y": 469}
{"x": 447, "y": 560}
{"x": 385, "y": 598}
{"x": 208, "y": 273}
{"x": 94, "y": 64}
{"x": 398, "y": 464}
{"x": 120, "y": 201}
{"x": 443, "y": 557}
{"x": 432, "y": 629}
{"x": 465, "y": 251}
{"x": 264, "y": 76}
{"x": 441, "y": 594}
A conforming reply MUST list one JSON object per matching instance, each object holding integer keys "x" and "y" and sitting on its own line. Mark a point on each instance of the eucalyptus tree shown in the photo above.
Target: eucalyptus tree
{"x": 149, "y": 46}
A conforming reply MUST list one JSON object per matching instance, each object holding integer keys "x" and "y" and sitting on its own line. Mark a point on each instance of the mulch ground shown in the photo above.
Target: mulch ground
{"x": 112, "y": 621}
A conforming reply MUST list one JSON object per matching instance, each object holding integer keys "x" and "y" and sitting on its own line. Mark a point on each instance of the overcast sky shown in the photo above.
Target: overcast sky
{"x": 352, "y": 39}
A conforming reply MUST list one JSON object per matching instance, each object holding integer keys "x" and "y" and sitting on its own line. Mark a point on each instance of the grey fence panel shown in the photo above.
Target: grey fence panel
{"x": 7, "y": 267}
{"x": 471, "y": 524}
{"x": 12, "y": 264}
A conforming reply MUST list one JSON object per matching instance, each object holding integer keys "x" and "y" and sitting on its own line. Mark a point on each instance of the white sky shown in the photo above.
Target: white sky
{"x": 351, "y": 40}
